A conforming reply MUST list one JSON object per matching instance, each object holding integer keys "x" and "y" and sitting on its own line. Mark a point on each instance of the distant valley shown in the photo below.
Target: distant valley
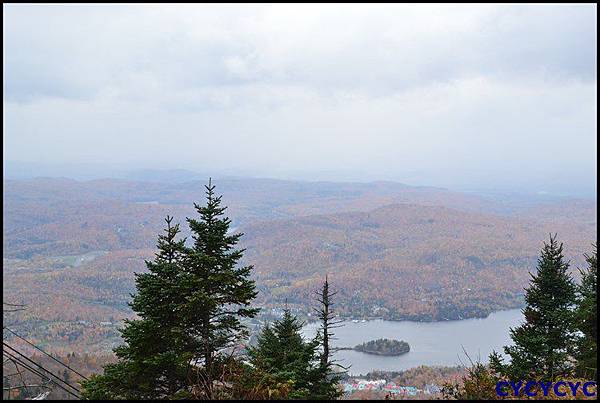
{"x": 391, "y": 250}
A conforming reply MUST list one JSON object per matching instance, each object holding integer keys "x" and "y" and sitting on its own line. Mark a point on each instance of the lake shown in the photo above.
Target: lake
{"x": 431, "y": 343}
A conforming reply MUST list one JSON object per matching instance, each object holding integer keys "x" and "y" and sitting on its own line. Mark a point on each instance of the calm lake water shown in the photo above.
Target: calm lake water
{"x": 435, "y": 343}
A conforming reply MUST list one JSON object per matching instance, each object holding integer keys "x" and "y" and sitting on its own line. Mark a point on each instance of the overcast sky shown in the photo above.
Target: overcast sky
{"x": 434, "y": 95}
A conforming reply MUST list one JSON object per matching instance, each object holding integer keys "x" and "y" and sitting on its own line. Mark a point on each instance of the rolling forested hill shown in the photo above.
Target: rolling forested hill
{"x": 406, "y": 261}
{"x": 70, "y": 248}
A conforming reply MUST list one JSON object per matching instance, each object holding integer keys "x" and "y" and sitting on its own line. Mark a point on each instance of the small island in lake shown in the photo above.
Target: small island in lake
{"x": 384, "y": 347}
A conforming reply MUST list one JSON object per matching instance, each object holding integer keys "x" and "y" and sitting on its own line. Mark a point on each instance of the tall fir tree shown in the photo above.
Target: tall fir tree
{"x": 190, "y": 305}
{"x": 218, "y": 292}
{"x": 587, "y": 319}
{"x": 543, "y": 344}
{"x": 330, "y": 370}
{"x": 152, "y": 363}
{"x": 282, "y": 352}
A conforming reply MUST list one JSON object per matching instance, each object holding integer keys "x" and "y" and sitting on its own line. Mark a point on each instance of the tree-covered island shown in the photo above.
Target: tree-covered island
{"x": 384, "y": 347}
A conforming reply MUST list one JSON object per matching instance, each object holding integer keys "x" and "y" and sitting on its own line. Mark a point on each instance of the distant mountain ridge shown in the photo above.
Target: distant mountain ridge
{"x": 70, "y": 247}
{"x": 35, "y": 208}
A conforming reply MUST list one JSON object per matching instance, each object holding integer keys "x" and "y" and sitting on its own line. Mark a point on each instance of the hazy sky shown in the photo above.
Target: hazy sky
{"x": 436, "y": 95}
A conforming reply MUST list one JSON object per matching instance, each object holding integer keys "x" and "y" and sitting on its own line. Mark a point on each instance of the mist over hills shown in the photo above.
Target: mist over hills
{"x": 52, "y": 215}
{"x": 547, "y": 185}
{"x": 393, "y": 250}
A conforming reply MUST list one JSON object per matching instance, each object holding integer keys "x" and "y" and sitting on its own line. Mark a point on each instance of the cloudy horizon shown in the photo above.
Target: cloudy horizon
{"x": 456, "y": 96}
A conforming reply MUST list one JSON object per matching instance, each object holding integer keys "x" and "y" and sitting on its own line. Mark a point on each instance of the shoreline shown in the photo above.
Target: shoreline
{"x": 351, "y": 319}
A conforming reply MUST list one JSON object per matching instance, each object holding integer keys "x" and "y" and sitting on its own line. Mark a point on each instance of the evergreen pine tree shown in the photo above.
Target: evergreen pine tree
{"x": 190, "y": 305}
{"x": 282, "y": 352}
{"x": 152, "y": 362}
{"x": 543, "y": 344}
{"x": 218, "y": 293}
{"x": 587, "y": 319}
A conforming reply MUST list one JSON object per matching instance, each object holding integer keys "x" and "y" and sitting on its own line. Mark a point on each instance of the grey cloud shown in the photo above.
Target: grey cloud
{"x": 382, "y": 90}
{"x": 376, "y": 48}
